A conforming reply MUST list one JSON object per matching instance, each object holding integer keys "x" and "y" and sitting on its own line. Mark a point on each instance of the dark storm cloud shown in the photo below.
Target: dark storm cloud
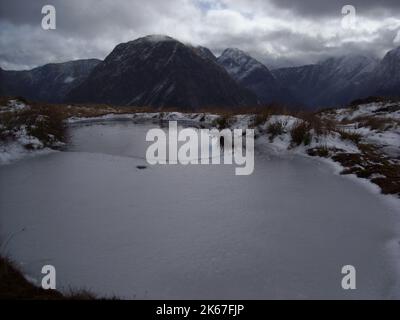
{"x": 88, "y": 28}
{"x": 84, "y": 17}
{"x": 319, "y": 8}
{"x": 274, "y": 31}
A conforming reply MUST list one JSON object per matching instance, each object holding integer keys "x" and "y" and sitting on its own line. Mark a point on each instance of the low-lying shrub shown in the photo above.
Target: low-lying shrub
{"x": 301, "y": 133}
{"x": 350, "y": 135}
{"x": 314, "y": 122}
{"x": 222, "y": 122}
{"x": 260, "y": 119}
{"x": 275, "y": 129}
{"x": 371, "y": 99}
{"x": 374, "y": 123}
{"x": 321, "y": 151}
{"x": 318, "y": 121}
{"x": 43, "y": 123}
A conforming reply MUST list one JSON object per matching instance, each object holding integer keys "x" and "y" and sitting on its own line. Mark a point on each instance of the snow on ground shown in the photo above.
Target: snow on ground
{"x": 281, "y": 143}
{"x": 14, "y": 151}
{"x": 165, "y": 116}
{"x": 13, "y": 106}
{"x": 387, "y": 140}
{"x": 20, "y": 144}
{"x": 381, "y": 109}
{"x": 106, "y": 117}
{"x": 23, "y": 145}
{"x": 223, "y": 225}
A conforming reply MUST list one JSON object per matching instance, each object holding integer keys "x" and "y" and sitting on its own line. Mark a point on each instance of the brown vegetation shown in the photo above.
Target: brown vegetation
{"x": 301, "y": 133}
{"x": 374, "y": 122}
{"x": 350, "y": 135}
{"x": 14, "y": 286}
{"x": 369, "y": 164}
{"x": 275, "y": 129}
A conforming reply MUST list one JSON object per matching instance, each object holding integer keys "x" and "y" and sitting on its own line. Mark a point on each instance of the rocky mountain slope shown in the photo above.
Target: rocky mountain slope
{"x": 161, "y": 72}
{"x": 254, "y": 76}
{"x": 48, "y": 83}
{"x": 386, "y": 76}
{"x": 333, "y": 82}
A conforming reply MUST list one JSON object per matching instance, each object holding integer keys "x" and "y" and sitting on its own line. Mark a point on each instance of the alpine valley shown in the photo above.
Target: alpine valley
{"x": 162, "y": 73}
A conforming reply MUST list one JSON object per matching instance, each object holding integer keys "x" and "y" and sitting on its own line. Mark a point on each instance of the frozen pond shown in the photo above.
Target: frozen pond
{"x": 194, "y": 232}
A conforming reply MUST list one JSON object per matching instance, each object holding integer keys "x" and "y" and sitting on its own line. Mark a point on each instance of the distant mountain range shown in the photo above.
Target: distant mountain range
{"x": 333, "y": 82}
{"x": 161, "y": 72}
{"x": 49, "y": 83}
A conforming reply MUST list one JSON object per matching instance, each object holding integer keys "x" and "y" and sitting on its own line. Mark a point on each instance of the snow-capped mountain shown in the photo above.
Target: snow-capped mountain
{"x": 386, "y": 76}
{"x": 159, "y": 71}
{"x": 253, "y": 75}
{"x": 332, "y": 82}
{"x": 348, "y": 67}
{"x": 240, "y": 65}
{"x": 48, "y": 83}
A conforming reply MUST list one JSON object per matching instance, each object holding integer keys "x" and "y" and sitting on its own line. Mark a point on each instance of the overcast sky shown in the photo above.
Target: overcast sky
{"x": 277, "y": 32}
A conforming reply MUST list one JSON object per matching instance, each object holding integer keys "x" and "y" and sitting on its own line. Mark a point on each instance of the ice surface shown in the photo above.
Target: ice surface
{"x": 175, "y": 232}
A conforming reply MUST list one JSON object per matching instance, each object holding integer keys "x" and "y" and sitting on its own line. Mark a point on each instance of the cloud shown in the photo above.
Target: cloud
{"x": 317, "y": 8}
{"x": 273, "y": 31}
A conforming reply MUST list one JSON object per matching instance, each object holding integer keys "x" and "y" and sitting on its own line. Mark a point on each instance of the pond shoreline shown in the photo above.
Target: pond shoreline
{"x": 80, "y": 163}
{"x": 364, "y": 139}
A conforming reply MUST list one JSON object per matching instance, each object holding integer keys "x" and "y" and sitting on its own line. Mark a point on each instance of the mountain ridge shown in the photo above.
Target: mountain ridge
{"x": 160, "y": 71}
{"x": 254, "y": 76}
{"x": 160, "y": 74}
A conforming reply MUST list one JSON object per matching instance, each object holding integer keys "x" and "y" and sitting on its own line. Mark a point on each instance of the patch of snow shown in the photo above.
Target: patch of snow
{"x": 238, "y": 64}
{"x": 388, "y": 139}
{"x": 168, "y": 116}
{"x": 111, "y": 117}
{"x": 23, "y": 138}
{"x": 158, "y": 38}
{"x": 14, "y": 106}
{"x": 364, "y": 110}
{"x": 69, "y": 79}
{"x": 14, "y": 151}
{"x": 287, "y": 121}
{"x": 282, "y": 144}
